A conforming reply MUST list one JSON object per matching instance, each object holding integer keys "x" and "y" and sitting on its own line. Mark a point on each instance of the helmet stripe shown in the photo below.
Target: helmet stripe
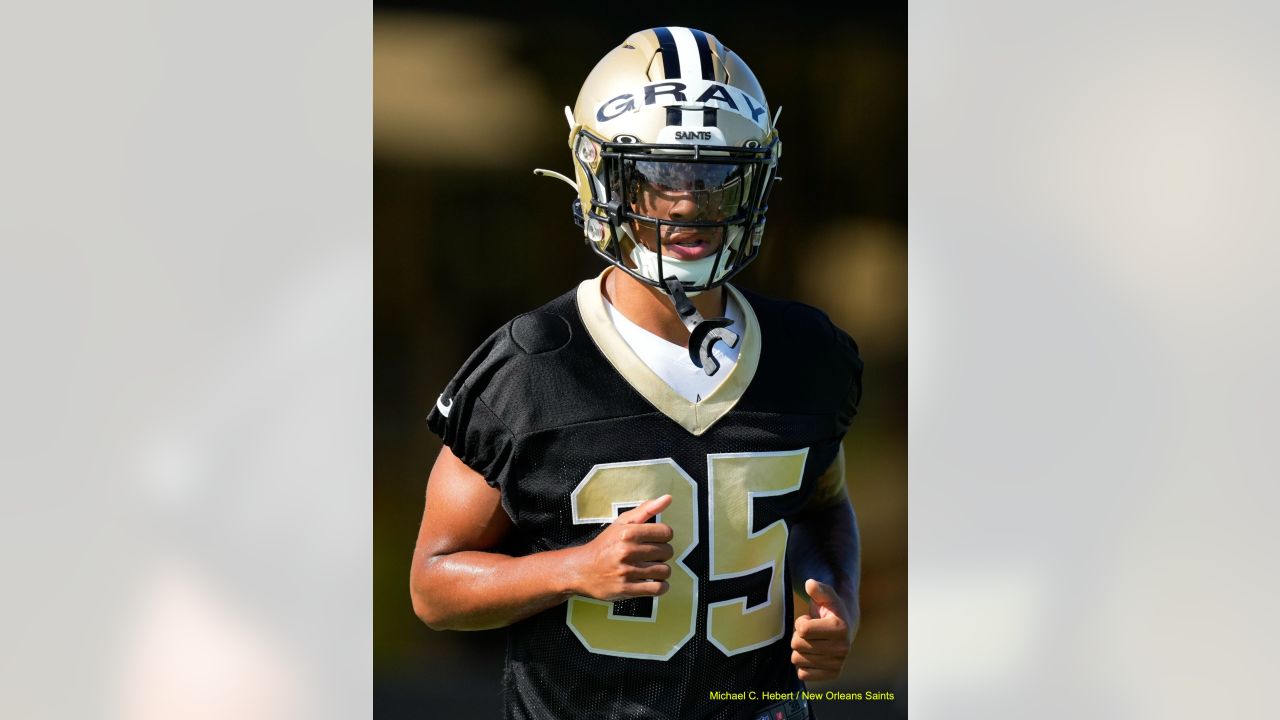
{"x": 670, "y": 55}
{"x": 704, "y": 55}
{"x": 690, "y": 59}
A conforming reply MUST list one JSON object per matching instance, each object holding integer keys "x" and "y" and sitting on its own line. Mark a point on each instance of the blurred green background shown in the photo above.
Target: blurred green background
{"x": 466, "y": 237}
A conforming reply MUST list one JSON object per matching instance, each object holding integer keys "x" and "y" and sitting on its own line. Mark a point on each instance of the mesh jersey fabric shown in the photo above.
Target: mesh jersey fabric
{"x": 538, "y": 408}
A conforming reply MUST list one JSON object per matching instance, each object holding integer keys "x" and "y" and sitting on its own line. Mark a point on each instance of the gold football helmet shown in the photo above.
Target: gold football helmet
{"x": 673, "y": 115}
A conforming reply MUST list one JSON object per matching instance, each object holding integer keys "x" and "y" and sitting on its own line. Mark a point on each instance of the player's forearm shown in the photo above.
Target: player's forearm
{"x": 824, "y": 545}
{"x": 474, "y": 590}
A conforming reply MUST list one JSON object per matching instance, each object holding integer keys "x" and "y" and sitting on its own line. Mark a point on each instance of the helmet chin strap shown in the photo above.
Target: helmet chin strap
{"x": 703, "y": 333}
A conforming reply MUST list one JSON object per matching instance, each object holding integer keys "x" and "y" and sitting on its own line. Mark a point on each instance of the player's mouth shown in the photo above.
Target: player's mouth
{"x": 689, "y": 246}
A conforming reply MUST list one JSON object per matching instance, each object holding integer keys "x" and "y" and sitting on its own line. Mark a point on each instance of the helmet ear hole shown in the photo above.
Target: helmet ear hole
{"x": 588, "y": 153}
{"x": 627, "y": 139}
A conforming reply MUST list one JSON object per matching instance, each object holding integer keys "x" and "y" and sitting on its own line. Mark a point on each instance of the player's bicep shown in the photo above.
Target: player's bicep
{"x": 462, "y": 511}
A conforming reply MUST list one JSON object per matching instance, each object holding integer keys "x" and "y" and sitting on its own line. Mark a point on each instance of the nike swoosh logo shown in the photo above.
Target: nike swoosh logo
{"x": 444, "y": 409}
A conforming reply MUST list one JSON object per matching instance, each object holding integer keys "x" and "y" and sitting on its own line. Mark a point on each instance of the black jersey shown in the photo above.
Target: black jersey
{"x": 556, "y": 412}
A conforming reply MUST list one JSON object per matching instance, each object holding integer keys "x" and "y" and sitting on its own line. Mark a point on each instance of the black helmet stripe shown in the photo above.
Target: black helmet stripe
{"x": 670, "y": 54}
{"x": 704, "y": 55}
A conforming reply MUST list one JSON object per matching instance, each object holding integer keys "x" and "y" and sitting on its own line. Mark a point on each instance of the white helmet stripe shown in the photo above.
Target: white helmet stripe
{"x": 690, "y": 58}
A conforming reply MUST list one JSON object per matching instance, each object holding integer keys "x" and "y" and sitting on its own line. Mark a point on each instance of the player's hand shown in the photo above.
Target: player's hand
{"x": 628, "y": 559}
{"x": 822, "y": 638}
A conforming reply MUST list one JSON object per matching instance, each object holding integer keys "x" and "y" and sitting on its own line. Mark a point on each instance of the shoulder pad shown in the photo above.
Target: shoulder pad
{"x": 540, "y": 331}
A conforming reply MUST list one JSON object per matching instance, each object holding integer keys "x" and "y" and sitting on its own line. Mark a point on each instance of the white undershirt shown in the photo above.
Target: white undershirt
{"x": 671, "y": 362}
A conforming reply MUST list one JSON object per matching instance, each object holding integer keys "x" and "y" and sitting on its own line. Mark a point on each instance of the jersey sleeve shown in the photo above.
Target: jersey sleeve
{"x": 466, "y": 423}
{"x": 845, "y": 382}
{"x": 851, "y": 370}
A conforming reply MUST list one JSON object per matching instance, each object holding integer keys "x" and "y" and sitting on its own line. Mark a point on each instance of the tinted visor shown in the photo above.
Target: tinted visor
{"x": 692, "y": 190}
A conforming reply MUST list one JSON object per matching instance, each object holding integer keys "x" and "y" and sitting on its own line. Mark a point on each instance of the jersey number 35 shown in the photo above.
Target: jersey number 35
{"x": 735, "y": 480}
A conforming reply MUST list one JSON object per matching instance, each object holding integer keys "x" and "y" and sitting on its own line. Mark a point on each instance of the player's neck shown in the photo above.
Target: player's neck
{"x": 651, "y": 309}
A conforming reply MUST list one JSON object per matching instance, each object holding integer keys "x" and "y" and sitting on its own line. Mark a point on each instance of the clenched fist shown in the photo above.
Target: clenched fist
{"x": 628, "y": 559}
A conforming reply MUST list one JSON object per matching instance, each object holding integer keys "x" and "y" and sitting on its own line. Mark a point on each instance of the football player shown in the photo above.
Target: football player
{"x": 635, "y": 474}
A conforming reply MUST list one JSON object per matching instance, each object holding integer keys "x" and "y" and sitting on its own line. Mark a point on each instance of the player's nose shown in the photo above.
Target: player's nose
{"x": 684, "y": 207}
